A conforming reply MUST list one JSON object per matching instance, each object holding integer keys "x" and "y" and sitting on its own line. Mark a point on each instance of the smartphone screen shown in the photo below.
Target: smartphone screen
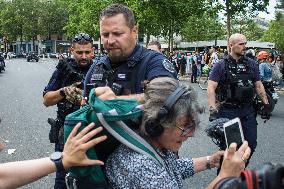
{"x": 233, "y": 134}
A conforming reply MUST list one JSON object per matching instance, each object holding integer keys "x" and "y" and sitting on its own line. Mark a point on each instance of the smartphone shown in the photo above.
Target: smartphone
{"x": 233, "y": 132}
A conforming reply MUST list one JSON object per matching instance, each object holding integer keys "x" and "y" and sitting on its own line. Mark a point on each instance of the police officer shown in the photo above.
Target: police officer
{"x": 127, "y": 64}
{"x": 233, "y": 83}
{"x": 64, "y": 90}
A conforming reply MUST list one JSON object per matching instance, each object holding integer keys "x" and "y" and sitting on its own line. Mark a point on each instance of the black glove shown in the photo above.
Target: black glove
{"x": 213, "y": 112}
{"x": 266, "y": 112}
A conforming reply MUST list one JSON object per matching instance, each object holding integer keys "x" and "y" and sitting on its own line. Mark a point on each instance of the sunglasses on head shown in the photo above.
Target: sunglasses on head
{"x": 82, "y": 37}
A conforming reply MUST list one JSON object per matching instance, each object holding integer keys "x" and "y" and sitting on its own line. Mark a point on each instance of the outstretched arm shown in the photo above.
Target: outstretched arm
{"x": 16, "y": 174}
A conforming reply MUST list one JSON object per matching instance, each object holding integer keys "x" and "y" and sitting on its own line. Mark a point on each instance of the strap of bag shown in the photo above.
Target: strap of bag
{"x": 128, "y": 137}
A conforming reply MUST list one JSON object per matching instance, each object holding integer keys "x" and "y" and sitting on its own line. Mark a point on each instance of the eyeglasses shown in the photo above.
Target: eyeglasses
{"x": 243, "y": 43}
{"x": 186, "y": 130}
{"x": 82, "y": 37}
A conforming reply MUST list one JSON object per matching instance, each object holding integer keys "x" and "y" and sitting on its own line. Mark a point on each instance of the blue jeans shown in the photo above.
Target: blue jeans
{"x": 60, "y": 175}
{"x": 248, "y": 121}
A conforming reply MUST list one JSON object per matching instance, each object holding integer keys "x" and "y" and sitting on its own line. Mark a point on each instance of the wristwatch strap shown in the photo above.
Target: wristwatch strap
{"x": 59, "y": 165}
{"x": 62, "y": 92}
{"x": 56, "y": 157}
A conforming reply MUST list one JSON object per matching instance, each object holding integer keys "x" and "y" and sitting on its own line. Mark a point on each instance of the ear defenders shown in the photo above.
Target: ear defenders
{"x": 153, "y": 127}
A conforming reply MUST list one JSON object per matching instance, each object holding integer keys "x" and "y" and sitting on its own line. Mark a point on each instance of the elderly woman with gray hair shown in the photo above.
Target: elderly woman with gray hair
{"x": 170, "y": 117}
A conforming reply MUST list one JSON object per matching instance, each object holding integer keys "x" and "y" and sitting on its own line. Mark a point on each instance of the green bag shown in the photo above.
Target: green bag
{"x": 109, "y": 114}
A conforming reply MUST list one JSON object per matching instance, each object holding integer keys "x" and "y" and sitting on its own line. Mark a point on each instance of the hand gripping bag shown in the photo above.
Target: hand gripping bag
{"x": 112, "y": 115}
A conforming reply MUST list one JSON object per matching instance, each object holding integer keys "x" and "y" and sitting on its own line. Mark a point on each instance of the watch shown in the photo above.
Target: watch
{"x": 62, "y": 92}
{"x": 56, "y": 157}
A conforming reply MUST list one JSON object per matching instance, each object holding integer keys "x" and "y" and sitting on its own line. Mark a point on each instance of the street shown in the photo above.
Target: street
{"x": 24, "y": 124}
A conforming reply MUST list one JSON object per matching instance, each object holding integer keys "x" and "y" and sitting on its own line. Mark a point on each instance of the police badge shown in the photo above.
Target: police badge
{"x": 168, "y": 66}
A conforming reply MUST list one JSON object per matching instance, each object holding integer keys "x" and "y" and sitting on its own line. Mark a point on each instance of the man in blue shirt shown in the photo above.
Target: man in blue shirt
{"x": 265, "y": 70}
{"x": 127, "y": 64}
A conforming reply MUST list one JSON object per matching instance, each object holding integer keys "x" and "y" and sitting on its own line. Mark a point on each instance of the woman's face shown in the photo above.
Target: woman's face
{"x": 173, "y": 137}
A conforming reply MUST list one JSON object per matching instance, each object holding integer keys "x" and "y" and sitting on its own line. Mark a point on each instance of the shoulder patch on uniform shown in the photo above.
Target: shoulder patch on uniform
{"x": 168, "y": 65}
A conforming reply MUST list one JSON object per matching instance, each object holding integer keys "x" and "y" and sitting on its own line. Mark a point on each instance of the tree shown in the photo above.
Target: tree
{"x": 12, "y": 19}
{"x": 275, "y": 32}
{"x": 53, "y": 16}
{"x": 232, "y": 8}
{"x": 165, "y": 17}
{"x": 154, "y": 17}
{"x": 205, "y": 27}
{"x": 248, "y": 27}
{"x": 84, "y": 16}
{"x": 31, "y": 20}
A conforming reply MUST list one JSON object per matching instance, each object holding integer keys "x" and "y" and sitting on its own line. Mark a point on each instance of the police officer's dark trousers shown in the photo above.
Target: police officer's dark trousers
{"x": 248, "y": 121}
{"x": 60, "y": 175}
{"x": 194, "y": 73}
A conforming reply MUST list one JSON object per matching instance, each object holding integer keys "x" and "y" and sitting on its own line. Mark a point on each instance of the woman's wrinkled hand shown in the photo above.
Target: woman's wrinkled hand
{"x": 105, "y": 93}
{"x": 215, "y": 159}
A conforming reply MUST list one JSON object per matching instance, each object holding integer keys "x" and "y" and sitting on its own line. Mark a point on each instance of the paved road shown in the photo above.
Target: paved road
{"x": 25, "y": 129}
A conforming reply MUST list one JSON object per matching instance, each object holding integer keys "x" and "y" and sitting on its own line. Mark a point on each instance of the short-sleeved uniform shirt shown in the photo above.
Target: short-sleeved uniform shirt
{"x": 218, "y": 71}
{"x": 151, "y": 64}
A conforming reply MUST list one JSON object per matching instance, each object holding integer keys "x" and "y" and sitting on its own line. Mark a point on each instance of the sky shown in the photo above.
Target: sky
{"x": 270, "y": 9}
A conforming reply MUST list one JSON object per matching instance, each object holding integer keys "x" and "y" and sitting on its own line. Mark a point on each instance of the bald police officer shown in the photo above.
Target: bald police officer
{"x": 232, "y": 83}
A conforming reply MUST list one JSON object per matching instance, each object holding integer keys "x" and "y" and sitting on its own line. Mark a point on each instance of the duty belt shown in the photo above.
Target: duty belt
{"x": 235, "y": 105}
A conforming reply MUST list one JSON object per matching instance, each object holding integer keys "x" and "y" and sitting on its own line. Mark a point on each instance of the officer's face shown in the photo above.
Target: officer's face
{"x": 83, "y": 53}
{"x": 118, "y": 39}
{"x": 238, "y": 46}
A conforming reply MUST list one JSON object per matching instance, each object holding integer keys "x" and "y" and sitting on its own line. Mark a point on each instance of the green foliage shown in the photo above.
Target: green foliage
{"x": 12, "y": 19}
{"x": 275, "y": 32}
{"x": 248, "y": 27}
{"x": 203, "y": 28}
{"x": 193, "y": 19}
{"x": 52, "y": 17}
{"x": 165, "y": 17}
{"x": 29, "y": 18}
{"x": 233, "y": 8}
{"x": 84, "y": 16}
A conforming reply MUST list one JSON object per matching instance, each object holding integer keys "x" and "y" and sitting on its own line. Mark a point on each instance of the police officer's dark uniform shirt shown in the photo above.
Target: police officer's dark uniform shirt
{"x": 245, "y": 111}
{"x": 141, "y": 65}
{"x": 57, "y": 79}
{"x": 218, "y": 70}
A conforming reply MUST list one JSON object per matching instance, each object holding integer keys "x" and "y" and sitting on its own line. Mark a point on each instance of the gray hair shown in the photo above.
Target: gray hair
{"x": 157, "y": 92}
{"x": 115, "y": 9}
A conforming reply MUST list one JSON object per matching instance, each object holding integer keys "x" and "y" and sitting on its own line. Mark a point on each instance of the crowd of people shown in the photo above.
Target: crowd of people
{"x": 192, "y": 63}
{"x": 170, "y": 110}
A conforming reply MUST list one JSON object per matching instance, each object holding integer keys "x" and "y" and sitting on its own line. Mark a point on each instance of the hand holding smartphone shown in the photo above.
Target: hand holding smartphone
{"x": 233, "y": 132}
